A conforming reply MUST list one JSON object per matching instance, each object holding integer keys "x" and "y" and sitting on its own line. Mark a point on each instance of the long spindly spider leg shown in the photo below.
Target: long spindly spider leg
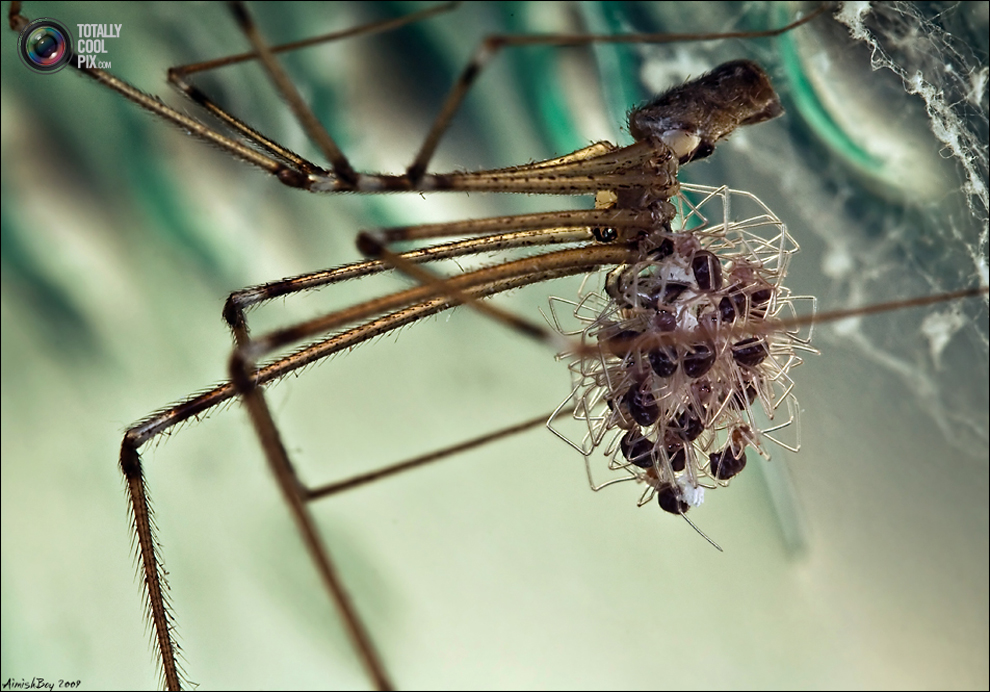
{"x": 528, "y": 230}
{"x": 279, "y": 161}
{"x": 589, "y": 170}
{"x": 650, "y": 165}
{"x": 246, "y": 381}
{"x": 521, "y": 178}
{"x": 18, "y": 21}
{"x": 298, "y": 172}
{"x": 520, "y": 231}
{"x": 402, "y": 308}
{"x": 178, "y": 77}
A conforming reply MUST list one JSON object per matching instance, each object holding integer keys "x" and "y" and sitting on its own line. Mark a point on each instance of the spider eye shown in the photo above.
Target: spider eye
{"x": 604, "y": 235}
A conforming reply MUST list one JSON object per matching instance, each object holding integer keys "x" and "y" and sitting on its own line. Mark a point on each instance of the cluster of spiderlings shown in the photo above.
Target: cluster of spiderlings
{"x": 685, "y": 350}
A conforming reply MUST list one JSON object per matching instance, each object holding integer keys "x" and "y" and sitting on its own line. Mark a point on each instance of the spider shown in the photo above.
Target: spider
{"x": 362, "y": 513}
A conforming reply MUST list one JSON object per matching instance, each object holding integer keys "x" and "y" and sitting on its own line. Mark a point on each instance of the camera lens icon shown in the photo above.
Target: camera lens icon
{"x": 45, "y": 46}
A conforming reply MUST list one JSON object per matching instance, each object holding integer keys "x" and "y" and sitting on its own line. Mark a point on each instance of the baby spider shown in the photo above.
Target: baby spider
{"x": 548, "y": 554}
{"x": 686, "y": 344}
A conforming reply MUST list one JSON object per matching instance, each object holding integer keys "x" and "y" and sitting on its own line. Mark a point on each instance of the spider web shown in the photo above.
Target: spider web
{"x": 937, "y": 52}
{"x": 133, "y": 267}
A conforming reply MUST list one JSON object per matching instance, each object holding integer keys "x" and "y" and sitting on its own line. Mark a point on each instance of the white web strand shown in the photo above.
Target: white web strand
{"x": 949, "y": 78}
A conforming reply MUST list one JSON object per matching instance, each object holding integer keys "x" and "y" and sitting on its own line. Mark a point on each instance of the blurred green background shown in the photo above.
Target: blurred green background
{"x": 860, "y": 562}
